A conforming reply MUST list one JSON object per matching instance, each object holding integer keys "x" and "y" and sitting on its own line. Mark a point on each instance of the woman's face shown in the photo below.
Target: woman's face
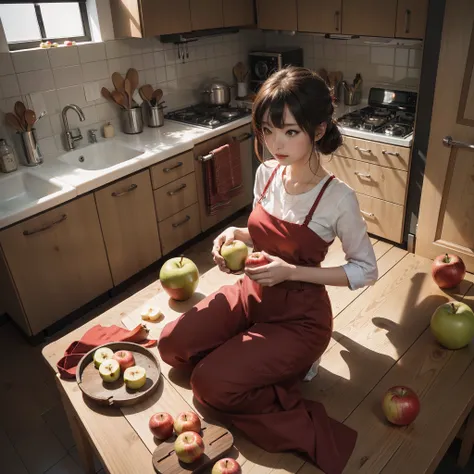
{"x": 289, "y": 144}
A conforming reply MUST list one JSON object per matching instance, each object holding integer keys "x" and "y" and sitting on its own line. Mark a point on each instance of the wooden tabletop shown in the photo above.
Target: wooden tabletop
{"x": 381, "y": 338}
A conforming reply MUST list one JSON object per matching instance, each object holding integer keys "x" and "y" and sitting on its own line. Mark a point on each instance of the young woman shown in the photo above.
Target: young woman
{"x": 251, "y": 344}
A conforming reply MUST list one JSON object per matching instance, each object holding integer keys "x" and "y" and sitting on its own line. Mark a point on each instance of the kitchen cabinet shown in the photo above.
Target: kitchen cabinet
{"x": 57, "y": 263}
{"x": 277, "y": 15}
{"x": 147, "y": 18}
{"x": 369, "y": 17}
{"x": 238, "y": 12}
{"x": 319, "y": 16}
{"x": 206, "y": 14}
{"x": 172, "y": 169}
{"x": 245, "y": 137}
{"x": 411, "y": 18}
{"x": 127, "y": 216}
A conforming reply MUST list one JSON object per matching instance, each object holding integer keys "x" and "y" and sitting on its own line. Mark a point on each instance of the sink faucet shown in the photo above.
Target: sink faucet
{"x": 70, "y": 138}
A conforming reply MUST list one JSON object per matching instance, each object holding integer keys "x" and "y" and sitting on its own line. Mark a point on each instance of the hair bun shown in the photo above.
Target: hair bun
{"x": 331, "y": 140}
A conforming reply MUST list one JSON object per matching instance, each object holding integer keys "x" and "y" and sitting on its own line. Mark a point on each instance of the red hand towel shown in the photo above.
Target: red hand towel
{"x": 94, "y": 337}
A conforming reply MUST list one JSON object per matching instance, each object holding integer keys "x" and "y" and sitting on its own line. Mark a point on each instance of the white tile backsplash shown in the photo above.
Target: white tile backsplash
{"x": 36, "y": 81}
{"x": 95, "y": 71}
{"x": 401, "y": 57}
{"x": 382, "y": 55}
{"x": 34, "y": 60}
{"x": 9, "y": 86}
{"x": 6, "y": 64}
{"x": 67, "y": 76}
{"x": 89, "y": 53}
{"x": 66, "y": 56}
{"x": 72, "y": 95}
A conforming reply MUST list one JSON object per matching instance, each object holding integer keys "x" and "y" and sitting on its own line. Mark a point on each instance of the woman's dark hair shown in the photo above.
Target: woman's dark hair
{"x": 307, "y": 97}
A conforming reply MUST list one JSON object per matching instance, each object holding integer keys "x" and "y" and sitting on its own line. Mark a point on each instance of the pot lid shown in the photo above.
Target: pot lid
{"x": 216, "y": 84}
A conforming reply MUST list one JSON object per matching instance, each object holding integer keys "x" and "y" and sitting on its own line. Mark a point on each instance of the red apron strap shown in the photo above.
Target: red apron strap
{"x": 316, "y": 202}
{"x": 265, "y": 189}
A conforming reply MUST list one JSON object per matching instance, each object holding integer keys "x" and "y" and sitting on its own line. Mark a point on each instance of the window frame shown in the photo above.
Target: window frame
{"x": 35, "y": 44}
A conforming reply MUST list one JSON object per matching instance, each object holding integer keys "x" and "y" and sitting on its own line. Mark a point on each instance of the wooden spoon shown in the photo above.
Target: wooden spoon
{"x": 146, "y": 93}
{"x": 14, "y": 122}
{"x": 119, "y": 98}
{"x": 106, "y": 94}
{"x": 132, "y": 76}
{"x": 157, "y": 95}
{"x": 118, "y": 82}
{"x": 20, "y": 111}
{"x": 30, "y": 119}
{"x": 128, "y": 91}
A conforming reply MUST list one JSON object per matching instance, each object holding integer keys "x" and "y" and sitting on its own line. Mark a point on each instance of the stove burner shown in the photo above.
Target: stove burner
{"x": 187, "y": 114}
{"x": 229, "y": 114}
{"x": 395, "y": 130}
{"x": 210, "y": 121}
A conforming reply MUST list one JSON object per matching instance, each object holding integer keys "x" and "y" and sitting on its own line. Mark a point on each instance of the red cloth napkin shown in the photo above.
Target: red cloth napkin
{"x": 94, "y": 337}
{"x": 223, "y": 176}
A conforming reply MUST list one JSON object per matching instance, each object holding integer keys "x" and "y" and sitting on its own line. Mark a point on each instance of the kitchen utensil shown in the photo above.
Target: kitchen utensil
{"x": 128, "y": 90}
{"x": 20, "y": 112}
{"x": 323, "y": 74}
{"x": 352, "y": 96}
{"x": 146, "y": 93}
{"x": 118, "y": 82}
{"x": 156, "y": 96}
{"x": 31, "y": 152}
{"x": 41, "y": 115}
{"x": 119, "y": 98}
{"x": 216, "y": 92}
{"x": 155, "y": 116}
{"x": 132, "y": 76}
{"x": 30, "y": 119}
{"x": 240, "y": 71}
{"x": 106, "y": 94}
{"x": 132, "y": 121}
{"x": 14, "y": 122}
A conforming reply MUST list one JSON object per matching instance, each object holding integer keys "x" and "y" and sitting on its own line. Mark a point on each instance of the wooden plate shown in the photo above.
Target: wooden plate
{"x": 116, "y": 393}
{"x": 217, "y": 441}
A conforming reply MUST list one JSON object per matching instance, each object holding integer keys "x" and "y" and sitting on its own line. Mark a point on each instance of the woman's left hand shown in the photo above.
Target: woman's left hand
{"x": 272, "y": 273}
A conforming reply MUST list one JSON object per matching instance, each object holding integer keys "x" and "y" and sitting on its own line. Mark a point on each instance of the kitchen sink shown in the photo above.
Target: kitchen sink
{"x": 99, "y": 156}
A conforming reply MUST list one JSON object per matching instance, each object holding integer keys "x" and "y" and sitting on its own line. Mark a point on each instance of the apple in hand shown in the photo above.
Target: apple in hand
{"x": 179, "y": 277}
{"x": 234, "y": 254}
{"x": 452, "y": 324}
{"x": 101, "y": 354}
{"x": 125, "y": 359}
{"x": 109, "y": 370}
{"x": 448, "y": 270}
{"x": 226, "y": 466}
{"x": 134, "y": 377}
{"x": 161, "y": 425}
{"x": 401, "y": 405}
{"x": 189, "y": 447}
{"x": 256, "y": 259}
{"x": 187, "y": 421}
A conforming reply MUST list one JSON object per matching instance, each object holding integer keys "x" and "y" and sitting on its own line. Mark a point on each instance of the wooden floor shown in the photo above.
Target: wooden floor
{"x": 34, "y": 434}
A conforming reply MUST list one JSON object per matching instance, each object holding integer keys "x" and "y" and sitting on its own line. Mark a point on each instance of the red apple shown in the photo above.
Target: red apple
{"x": 256, "y": 259}
{"x": 401, "y": 405}
{"x": 187, "y": 421}
{"x": 161, "y": 425}
{"x": 226, "y": 466}
{"x": 189, "y": 447}
{"x": 448, "y": 270}
{"x": 179, "y": 277}
{"x": 125, "y": 359}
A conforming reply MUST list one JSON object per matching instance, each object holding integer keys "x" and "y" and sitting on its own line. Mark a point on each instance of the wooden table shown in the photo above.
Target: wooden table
{"x": 381, "y": 338}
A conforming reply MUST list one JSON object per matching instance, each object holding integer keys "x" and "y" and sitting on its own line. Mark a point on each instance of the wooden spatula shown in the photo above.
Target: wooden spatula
{"x": 146, "y": 93}
{"x": 14, "y": 122}
{"x": 106, "y": 94}
{"x": 30, "y": 119}
{"x": 132, "y": 76}
{"x": 119, "y": 98}
{"x": 128, "y": 92}
{"x": 118, "y": 82}
{"x": 157, "y": 95}
{"x": 20, "y": 111}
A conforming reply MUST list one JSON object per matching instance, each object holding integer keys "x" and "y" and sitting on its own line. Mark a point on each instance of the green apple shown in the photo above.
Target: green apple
{"x": 235, "y": 253}
{"x": 109, "y": 370}
{"x": 134, "y": 377}
{"x": 179, "y": 277}
{"x": 452, "y": 324}
{"x": 101, "y": 354}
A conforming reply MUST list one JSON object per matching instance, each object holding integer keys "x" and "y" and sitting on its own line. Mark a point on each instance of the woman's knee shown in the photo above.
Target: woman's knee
{"x": 171, "y": 348}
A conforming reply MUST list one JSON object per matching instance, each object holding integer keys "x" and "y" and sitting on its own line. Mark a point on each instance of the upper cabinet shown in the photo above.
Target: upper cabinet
{"x": 319, "y": 16}
{"x": 370, "y": 17}
{"x": 411, "y": 18}
{"x": 206, "y": 14}
{"x": 238, "y": 12}
{"x": 277, "y": 14}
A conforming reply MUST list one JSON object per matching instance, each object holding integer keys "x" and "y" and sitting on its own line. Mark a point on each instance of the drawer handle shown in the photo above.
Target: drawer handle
{"x": 368, "y": 214}
{"x": 362, "y": 175}
{"x": 48, "y": 226}
{"x": 336, "y": 20}
{"x": 177, "y": 224}
{"x": 171, "y": 168}
{"x": 363, "y": 150}
{"x": 391, "y": 153}
{"x": 177, "y": 190}
{"x": 132, "y": 187}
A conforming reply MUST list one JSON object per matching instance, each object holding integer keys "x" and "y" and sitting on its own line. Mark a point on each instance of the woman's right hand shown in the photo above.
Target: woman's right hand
{"x": 225, "y": 237}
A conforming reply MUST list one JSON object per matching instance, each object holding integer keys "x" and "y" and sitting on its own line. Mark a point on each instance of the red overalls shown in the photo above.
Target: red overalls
{"x": 251, "y": 346}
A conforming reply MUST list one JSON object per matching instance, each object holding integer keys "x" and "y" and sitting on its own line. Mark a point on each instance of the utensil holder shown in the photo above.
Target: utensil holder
{"x": 31, "y": 155}
{"x": 352, "y": 97}
{"x": 242, "y": 89}
{"x": 156, "y": 117}
{"x": 131, "y": 120}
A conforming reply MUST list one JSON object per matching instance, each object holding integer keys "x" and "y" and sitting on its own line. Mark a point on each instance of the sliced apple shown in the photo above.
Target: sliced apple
{"x": 109, "y": 370}
{"x": 102, "y": 354}
{"x": 134, "y": 377}
{"x": 151, "y": 313}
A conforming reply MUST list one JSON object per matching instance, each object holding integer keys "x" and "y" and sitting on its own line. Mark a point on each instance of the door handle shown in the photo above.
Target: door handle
{"x": 390, "y": 153}
{"x": 368, "y": 214}
{"x": 336, "y": 20}
{"x": 46, "y": 227}
{"x": 167, "y": 170}
{"x": 177, "y": 190}
{"x": 177, "y": 224}
{"x": 448, "y": 141}
{"x": 407, "y": 20}
{"x": 132, "y": 187}
{"x": 363, "y": 150}
{"x": 362, "y": 175}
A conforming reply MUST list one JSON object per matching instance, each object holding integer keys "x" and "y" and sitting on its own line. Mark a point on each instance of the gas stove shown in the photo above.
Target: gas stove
{"x": 208, "y": 116}
{"x": 389, "y": 118}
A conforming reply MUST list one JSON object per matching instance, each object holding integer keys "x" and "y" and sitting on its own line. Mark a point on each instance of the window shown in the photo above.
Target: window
{"x": 27, "y": 24}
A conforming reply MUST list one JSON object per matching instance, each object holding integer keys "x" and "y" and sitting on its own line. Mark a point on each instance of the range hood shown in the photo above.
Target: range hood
{"x": 336, "y": 36}
{"x": 195, "y": 35}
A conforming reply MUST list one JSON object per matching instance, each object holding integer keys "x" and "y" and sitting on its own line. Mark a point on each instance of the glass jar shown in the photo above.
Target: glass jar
{"x": 8, "y": 161}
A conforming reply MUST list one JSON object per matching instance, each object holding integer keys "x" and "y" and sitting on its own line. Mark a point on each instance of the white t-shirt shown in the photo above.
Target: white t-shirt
{"x": 337, "y": 215}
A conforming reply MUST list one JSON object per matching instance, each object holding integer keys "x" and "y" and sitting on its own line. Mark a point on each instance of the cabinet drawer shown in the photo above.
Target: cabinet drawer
{"x": 376, "y": 153}
{"x": 377, "y": 181}
{"x": 383, "y": 218}
{"x": 179, "y": 228}
{"x": 175, "y": 196}
{"x": 172, "y": 169}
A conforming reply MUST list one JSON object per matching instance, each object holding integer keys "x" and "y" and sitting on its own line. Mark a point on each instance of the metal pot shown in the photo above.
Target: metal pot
{"x": 216, "y": 92}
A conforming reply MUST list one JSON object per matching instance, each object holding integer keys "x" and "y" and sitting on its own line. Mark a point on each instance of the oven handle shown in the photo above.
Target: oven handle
{"x": 240, "y": 138}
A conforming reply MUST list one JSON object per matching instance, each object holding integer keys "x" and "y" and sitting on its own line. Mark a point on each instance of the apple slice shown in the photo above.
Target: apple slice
{"x": 134, "y": 377}
{"x": 102, "y": 354}
{"x": 152, "y": 314}
{"x": 109, "y": 370}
